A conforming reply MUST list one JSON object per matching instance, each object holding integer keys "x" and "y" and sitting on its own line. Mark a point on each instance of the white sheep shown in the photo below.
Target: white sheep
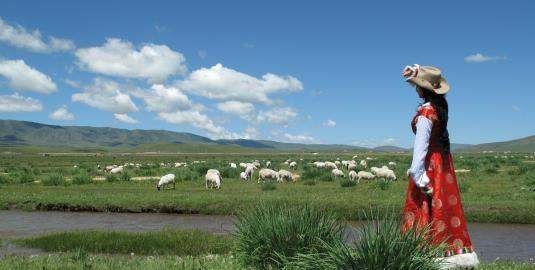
{"x": 385, "y": 173}
{"x": 284, "y": 175}
{"x": 233, "y": 165}
{"x": 337, "y": 173}
{"x": 212, "y": 179}
{"x": 330, "y": 165}
{"x": 249, "y": 172}
{"x": 243, "y": 176}
{"x": 337, "y": 162}
{"x": 319, "y": 164}
{"x": 365, "y": 175}
{"x": 363, "y": 163}
{"x": 117, "y": 170}
{"x": 110, "y": 167}
{"x": 353, "y": 176}
{"x": 264, "y": 174}
{"x": 351, "y": 166}
{"x": 293, "y": 165}
{"x": 243, "y": 165}
{"x": 166, "y": 180}
{"x": 268, "y": 164}
{"x": 392, "y": 164}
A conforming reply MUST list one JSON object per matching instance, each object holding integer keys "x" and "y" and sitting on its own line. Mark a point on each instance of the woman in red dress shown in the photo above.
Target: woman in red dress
{"x": 433, "y": 195}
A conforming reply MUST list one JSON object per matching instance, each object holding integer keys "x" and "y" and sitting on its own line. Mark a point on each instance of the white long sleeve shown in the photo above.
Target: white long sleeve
{"x": 421, "y": 143}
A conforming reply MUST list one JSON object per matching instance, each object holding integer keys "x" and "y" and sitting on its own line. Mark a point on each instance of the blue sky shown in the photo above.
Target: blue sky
{"x": 299, "y": 71}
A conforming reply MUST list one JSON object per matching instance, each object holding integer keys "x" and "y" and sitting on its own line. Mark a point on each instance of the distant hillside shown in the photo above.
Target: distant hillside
{"x": 526, "y": 144}
{"x": 84, "y": 138}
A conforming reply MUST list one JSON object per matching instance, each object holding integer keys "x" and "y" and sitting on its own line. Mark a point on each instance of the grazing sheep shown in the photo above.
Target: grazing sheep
{"x": 385, "y": 173}
{"x": 365, "y": 175}
{"x": 355, "y": 157}
{"x": 166, "y": 180}
{"x": 330, "y": 165}
{"x": 256, "y": 163}
{"x": 337, "y": 163}
{"x": 249, "y": 172}
{"x": 243, "y": 165}
{"x": 285, "y": 175}
{"x": 351, "y": 166}
{"x": 117, "y": 170}
{"x": 363, "y": 163}
{"x": 345, "y": 163}
{"x": 293, "y": 165}
{"x": 392, "y": 164}
{"x": 337, "y": 173}
{"x": 268, "y": 164}
{"x": 213, "y": 171}
{"x": 110, "y": 167}
{"x": 243, "y": 176}
{"x": 264, "y": 174}
{"x": 353, "y": 176}
{"x": 319, "y": 164}
{"x": 233, "y": 165}
{"x": 212, "y": 179}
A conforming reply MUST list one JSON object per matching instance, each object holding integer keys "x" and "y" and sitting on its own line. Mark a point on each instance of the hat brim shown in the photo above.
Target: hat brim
{"x": 443, "y": 89}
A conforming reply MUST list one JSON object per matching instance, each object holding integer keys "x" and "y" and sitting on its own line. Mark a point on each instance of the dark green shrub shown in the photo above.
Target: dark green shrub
{"x": 54, "y": 180}
{"x": 111, "y": 178}
{"x": 5, "y": 179}
{"x": 267, "y": 186}
{"x": 271, "y": 235}
{"x": 124, "y": 176}
{"x": 25, "y": 177}
{"x": 347, "y": 183}
{"x": 81, "y": 179}
{"x": 382, "y": 245}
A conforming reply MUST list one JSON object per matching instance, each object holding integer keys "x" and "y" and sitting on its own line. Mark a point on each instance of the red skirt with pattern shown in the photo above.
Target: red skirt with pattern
{"x": 443, "y": 209}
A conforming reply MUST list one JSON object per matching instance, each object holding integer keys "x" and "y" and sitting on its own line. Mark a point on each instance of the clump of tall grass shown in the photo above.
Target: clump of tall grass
{"x": 54, "y": 180}
{"x": 124, "y": 176}
{"x": 383, "y": 184}
{"x": 111, "y": 178}
{"x": 347, "y": 183}
{"x": 271, "y": 235}
{"x": 26, "y": 176}
{"x": 166, "y": 242}
{"x": 267, "y": 186}
{"x": 313, "y": 173}
{"x": 381, "y": 245}
{"x": 310, "y": 182}
{"x": 81, "y": 179}
{"x": 464, "y": 185}
{"x": 5, "y": 179}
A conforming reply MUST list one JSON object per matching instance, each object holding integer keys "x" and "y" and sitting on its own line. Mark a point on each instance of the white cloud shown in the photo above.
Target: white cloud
{"x": 123, "y": 117}
{"x": 105, "y": 95}
{"x": 19, "y": 37}
{"x": 251, "y": 133}
{"x": 219, "y": 82}
{"x": 330, "y": 123}
{"x": 478, "y": 58}
{"x": 298, "y": 138}
{"x": 62, "y": 114}
{"x": 376, "y": 142}
{"x": 278, "y": 115}
{"x": 61, "y": 44}
{"x": 236, "y": 107}
{"x": 18, "y": 103}
{"x": 162, "y": 98}
{"x": 25, "y": 78}
{"x": 248, "y": 45}
{"x": 120, "y": 58}
{"x": 72, "y": 83}
{"x": 196, "y": 119}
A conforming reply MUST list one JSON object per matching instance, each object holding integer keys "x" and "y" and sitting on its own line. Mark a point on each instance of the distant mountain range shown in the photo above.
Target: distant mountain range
{"x": 23, "y": 134}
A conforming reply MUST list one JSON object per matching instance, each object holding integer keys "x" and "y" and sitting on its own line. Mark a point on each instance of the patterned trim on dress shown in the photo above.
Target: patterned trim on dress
{"x": 458, "y": 251}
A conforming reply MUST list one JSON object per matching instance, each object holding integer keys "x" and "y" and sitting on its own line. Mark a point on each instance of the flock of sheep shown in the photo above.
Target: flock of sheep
{"x": 212, "y": 178}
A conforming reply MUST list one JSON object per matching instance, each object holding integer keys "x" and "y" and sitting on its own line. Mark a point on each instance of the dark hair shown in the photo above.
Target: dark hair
{"x": 440, "y": 104}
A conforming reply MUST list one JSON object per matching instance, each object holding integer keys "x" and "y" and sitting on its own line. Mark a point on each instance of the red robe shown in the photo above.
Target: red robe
{"x": 443, "y": 209}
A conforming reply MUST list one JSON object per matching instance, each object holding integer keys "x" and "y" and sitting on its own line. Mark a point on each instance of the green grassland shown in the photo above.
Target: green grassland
{"x": 498, "y": 190}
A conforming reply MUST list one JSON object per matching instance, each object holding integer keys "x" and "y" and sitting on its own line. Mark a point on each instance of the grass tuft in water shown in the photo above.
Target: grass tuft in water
{"x": 270, "y": 235}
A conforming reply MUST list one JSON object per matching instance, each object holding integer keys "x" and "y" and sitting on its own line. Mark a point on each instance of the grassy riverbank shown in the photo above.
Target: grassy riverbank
{"x": 497, "y": 200}
{"x": 494, "y": 189}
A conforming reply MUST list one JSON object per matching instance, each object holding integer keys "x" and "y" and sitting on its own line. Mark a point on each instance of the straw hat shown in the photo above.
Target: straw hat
{"x": 428, "y": 77}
